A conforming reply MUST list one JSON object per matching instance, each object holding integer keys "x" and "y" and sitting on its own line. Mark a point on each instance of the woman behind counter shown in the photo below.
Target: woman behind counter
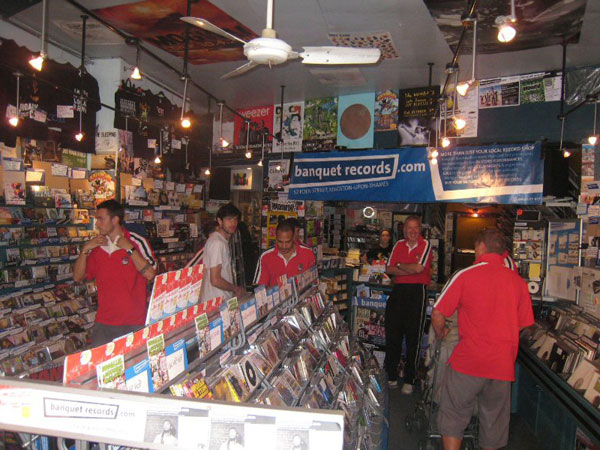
{"x": 383, "y": 250}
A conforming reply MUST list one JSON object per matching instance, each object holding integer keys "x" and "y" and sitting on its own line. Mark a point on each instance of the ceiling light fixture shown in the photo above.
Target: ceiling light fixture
{"x": 459, "y": 123}
{"x": 262, "y": 151}
{"x": 14, "y": 120}
{"x": 157, "y": 160}
{"x": 463, "y": 88}
{"x": 79, "y": 136}
{"x": 445, "y": 142}
{"x": 566, "y": 153}
{"x": 135, "y": 73}
{"x": 223, "y": 142}
{"x": 185, "y": 121}
{"x": 594, "y": 137}
{"x": 506, "y": 30}
{"x": 433, "y": 154}
{"x": 37, "y": 62}
{"x": 248, "y": 153}
{"x": 207, "y": 171}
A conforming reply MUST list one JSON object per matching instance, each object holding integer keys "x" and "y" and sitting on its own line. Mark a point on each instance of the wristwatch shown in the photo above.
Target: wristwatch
{"x": 131, "y": 250}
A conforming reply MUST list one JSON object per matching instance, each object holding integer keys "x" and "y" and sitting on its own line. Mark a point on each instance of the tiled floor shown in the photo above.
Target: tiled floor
{"x": 400, "y": 439}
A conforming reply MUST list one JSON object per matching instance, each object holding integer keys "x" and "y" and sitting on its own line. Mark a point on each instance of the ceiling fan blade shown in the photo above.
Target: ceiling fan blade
{"x": 240, "y": 70}
{"x": 206, "y": 25}
{"x": 340, "y": 55}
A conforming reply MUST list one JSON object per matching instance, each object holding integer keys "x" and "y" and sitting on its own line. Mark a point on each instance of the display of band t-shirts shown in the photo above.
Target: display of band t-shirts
{"x": 355, "y": 120}
{"x": 497, "y": 92}
{"x": 320, "y": 124}
{"x": 127, "y": 105}
{"x": 292, "y": 127}
{"x": 260, "y": 121}
{"x": 224, "y": 130}
{"x": 157, "y": 22}
{"x": 416, "y": 108}
{"x": 386, "y": 110}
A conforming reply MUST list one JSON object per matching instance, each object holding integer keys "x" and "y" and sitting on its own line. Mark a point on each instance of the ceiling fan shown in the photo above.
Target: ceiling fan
{"x": 269, "y": 50}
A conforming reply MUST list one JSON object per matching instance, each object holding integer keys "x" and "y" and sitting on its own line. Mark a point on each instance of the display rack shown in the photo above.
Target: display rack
{"x": 343, "y": 388}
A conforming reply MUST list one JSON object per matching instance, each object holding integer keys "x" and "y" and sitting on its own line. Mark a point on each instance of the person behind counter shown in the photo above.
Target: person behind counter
{"x": 121, "y": 263}
{"x": 287, "y": 257}
{"x": 383, "y": 249}
{"x": 218, "y": 266}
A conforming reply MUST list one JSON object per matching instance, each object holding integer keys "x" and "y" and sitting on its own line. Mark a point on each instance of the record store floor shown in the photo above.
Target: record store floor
{"x": 521, "y": 438}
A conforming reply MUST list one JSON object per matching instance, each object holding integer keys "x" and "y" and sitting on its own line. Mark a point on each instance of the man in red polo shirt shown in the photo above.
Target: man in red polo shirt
{"x": 409, "y": 265}
{"x": 287, "y": 257}
{"x": 122, "y": 263}
{"x": 493, "y": 304}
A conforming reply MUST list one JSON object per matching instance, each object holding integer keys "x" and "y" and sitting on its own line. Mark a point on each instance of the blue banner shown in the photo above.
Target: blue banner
{"x": 506, "y": 174}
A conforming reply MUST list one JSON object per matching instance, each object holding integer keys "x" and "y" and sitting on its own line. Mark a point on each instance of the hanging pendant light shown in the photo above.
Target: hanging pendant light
{"x": 505, "y": 24}
{"x": 37, "y": 62}
{"x": 248, "y": 153}
{"x": 593, "y": 139}
{"x": 185, "y": 121}
{"x": 136, "y": 74}
{"x": 14, "y": 120}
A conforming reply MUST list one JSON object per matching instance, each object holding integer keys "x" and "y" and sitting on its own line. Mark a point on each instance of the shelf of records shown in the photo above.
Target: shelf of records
{"x": 567, "y": 341}
{"x": 165, "y": 195}
{"x": 283, "y": 347}
{"x": 38, "y": 328}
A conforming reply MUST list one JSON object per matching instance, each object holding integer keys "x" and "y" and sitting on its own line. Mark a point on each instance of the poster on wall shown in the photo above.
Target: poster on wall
{"x": 506, "y": 174}
{"x": 497, "y": 92}
{"x": 416, "y": 108}
{"x": 292, "y": 123}
{"x": 355, "y": 120}
{"x": 466, "y": 108}
{"x": 540, "y": 87}
{"x": 158, "y": 23}
{"x": 320, "y": 124}
{"x": 278, "y": 178}
{"x": 386, "y": 110}
{"x": 241, "y": 179}
{"x": 563, "y": 257}
{"x": 102, "y": 185}
{"x": 260, "y": 122}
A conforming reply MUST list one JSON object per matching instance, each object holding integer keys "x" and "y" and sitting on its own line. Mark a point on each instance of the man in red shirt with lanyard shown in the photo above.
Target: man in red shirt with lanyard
{"x": 409, "y": 265}
{"x": 287, "y": 257}
{"x": 122, "y": 263}
{"x": 493, "y": 304}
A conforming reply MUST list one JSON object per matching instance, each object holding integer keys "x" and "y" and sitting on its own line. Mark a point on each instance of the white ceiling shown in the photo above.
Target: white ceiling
{"x": 308, "y": 22}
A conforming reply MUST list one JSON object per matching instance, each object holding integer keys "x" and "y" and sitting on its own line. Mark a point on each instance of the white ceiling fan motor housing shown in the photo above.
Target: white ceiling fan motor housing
{"x": 264, "y": 50}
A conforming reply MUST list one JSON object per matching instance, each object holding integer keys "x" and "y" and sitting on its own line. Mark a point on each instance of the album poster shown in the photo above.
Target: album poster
{"x": 320, "y": 124}
{"x": 416, "y": 107}
{"x": 355, "y": 120}
{"x": 278, "y": 178}
{"x": 293, "y": 118}
{"x": 158, "y": 23}
{"x": 497, "y": 92}
{"x": 261, "y": 121}
{"x": 386, "y": 110}
{"x": 14, "y": 187}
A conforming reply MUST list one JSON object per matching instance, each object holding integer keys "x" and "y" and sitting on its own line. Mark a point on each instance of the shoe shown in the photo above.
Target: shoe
{"x": 393, "y": 384}
{"x": 407, "y": 389}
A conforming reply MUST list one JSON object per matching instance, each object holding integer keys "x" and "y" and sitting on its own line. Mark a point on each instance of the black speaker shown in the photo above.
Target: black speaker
{"x": 220, "y": 184}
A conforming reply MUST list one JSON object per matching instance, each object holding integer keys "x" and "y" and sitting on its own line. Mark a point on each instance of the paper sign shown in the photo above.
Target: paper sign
{"x": 136, "y": 181}
{"x": 159, "y": 184}
{"x": 180, "y": 187}
{"x": 35, "y": 176}
{"x": 79, "y": 174}
{"x": 176, "y": 144}
{"x": 65, "y": 111}
{"x": 170, "y": 186}
{"x": 151, "y": 143}
{"x": 10, "y": 164}
{"x": 198, "y": 188}
{"x": 60, "y": 170}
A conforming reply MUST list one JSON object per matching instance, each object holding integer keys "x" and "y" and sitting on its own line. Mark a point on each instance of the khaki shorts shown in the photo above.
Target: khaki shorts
{"x": 459, "y": 396}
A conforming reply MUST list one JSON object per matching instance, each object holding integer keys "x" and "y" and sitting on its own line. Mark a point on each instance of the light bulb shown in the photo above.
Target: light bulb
{"x": 260, "y": 163}
{"x": 593, "y": 139}
{"x": 463, "y": 88}
{"x": 459, "y": 123}
{"x": 445, "y": 142}
{"x": 248, "y": 154}
{"x": 224, "y": 143}
{"x": 14, "y": 121}
{"x": 136, "y": 74}
{"x": 506, "y": 31}
{"x": 207, "y": 171}
{"x": 433, "y": 161}
{"x": 435, "y": 153}
{"x": 566, "y": 153}
{"x": 157, "y": 159}
{"x": 186, "y": 123}
{"x": 79, "y": 136}
{"x": 37, "y": 62}
{"x": 278, "y": 168}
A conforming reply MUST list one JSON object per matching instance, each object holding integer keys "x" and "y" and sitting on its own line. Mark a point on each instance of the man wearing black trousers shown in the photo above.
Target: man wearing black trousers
{"x": 409, "y": 265}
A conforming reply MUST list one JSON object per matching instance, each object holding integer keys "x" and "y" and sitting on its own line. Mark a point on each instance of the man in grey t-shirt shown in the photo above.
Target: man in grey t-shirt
{"x": 218, "y": 270}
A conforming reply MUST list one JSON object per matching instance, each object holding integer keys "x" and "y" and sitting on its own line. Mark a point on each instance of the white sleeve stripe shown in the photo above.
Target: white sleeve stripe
{"x": 426, "y": 253}
{"x": 258, "y": 271}
{"x": 453, "y": 279}
{"x": 144, "y": 248}
{"x": 508, "y": 262}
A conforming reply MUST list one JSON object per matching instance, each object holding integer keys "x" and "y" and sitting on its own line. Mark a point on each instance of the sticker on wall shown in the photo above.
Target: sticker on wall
{"x": 355, "y": 120}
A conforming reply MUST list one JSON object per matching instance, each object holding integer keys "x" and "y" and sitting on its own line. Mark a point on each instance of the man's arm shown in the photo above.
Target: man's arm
{"x": 438, "y": 322}
{"x": 143, "y": 266}
{"x": 221, "y": 283}
{"x": 80, "y": 266}
{"x": 404, "y": 269}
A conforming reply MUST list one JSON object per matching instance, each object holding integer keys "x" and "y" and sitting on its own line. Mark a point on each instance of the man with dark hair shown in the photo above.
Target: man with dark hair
{"x": 409, "y": 265}
{"x": 122, "y": 263}
{"x": 286, "y": 258}
{"x": 218, "y": 270}
{"x": 493, "y": 304}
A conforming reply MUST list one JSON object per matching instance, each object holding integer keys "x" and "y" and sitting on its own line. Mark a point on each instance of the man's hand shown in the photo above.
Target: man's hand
{"x": 438, "y": 322}
{"x": 239, "y": 292}
{"x": 93, "y": 243}
{"x": 124, "y": 243}
{"x": 445, "y": 332}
